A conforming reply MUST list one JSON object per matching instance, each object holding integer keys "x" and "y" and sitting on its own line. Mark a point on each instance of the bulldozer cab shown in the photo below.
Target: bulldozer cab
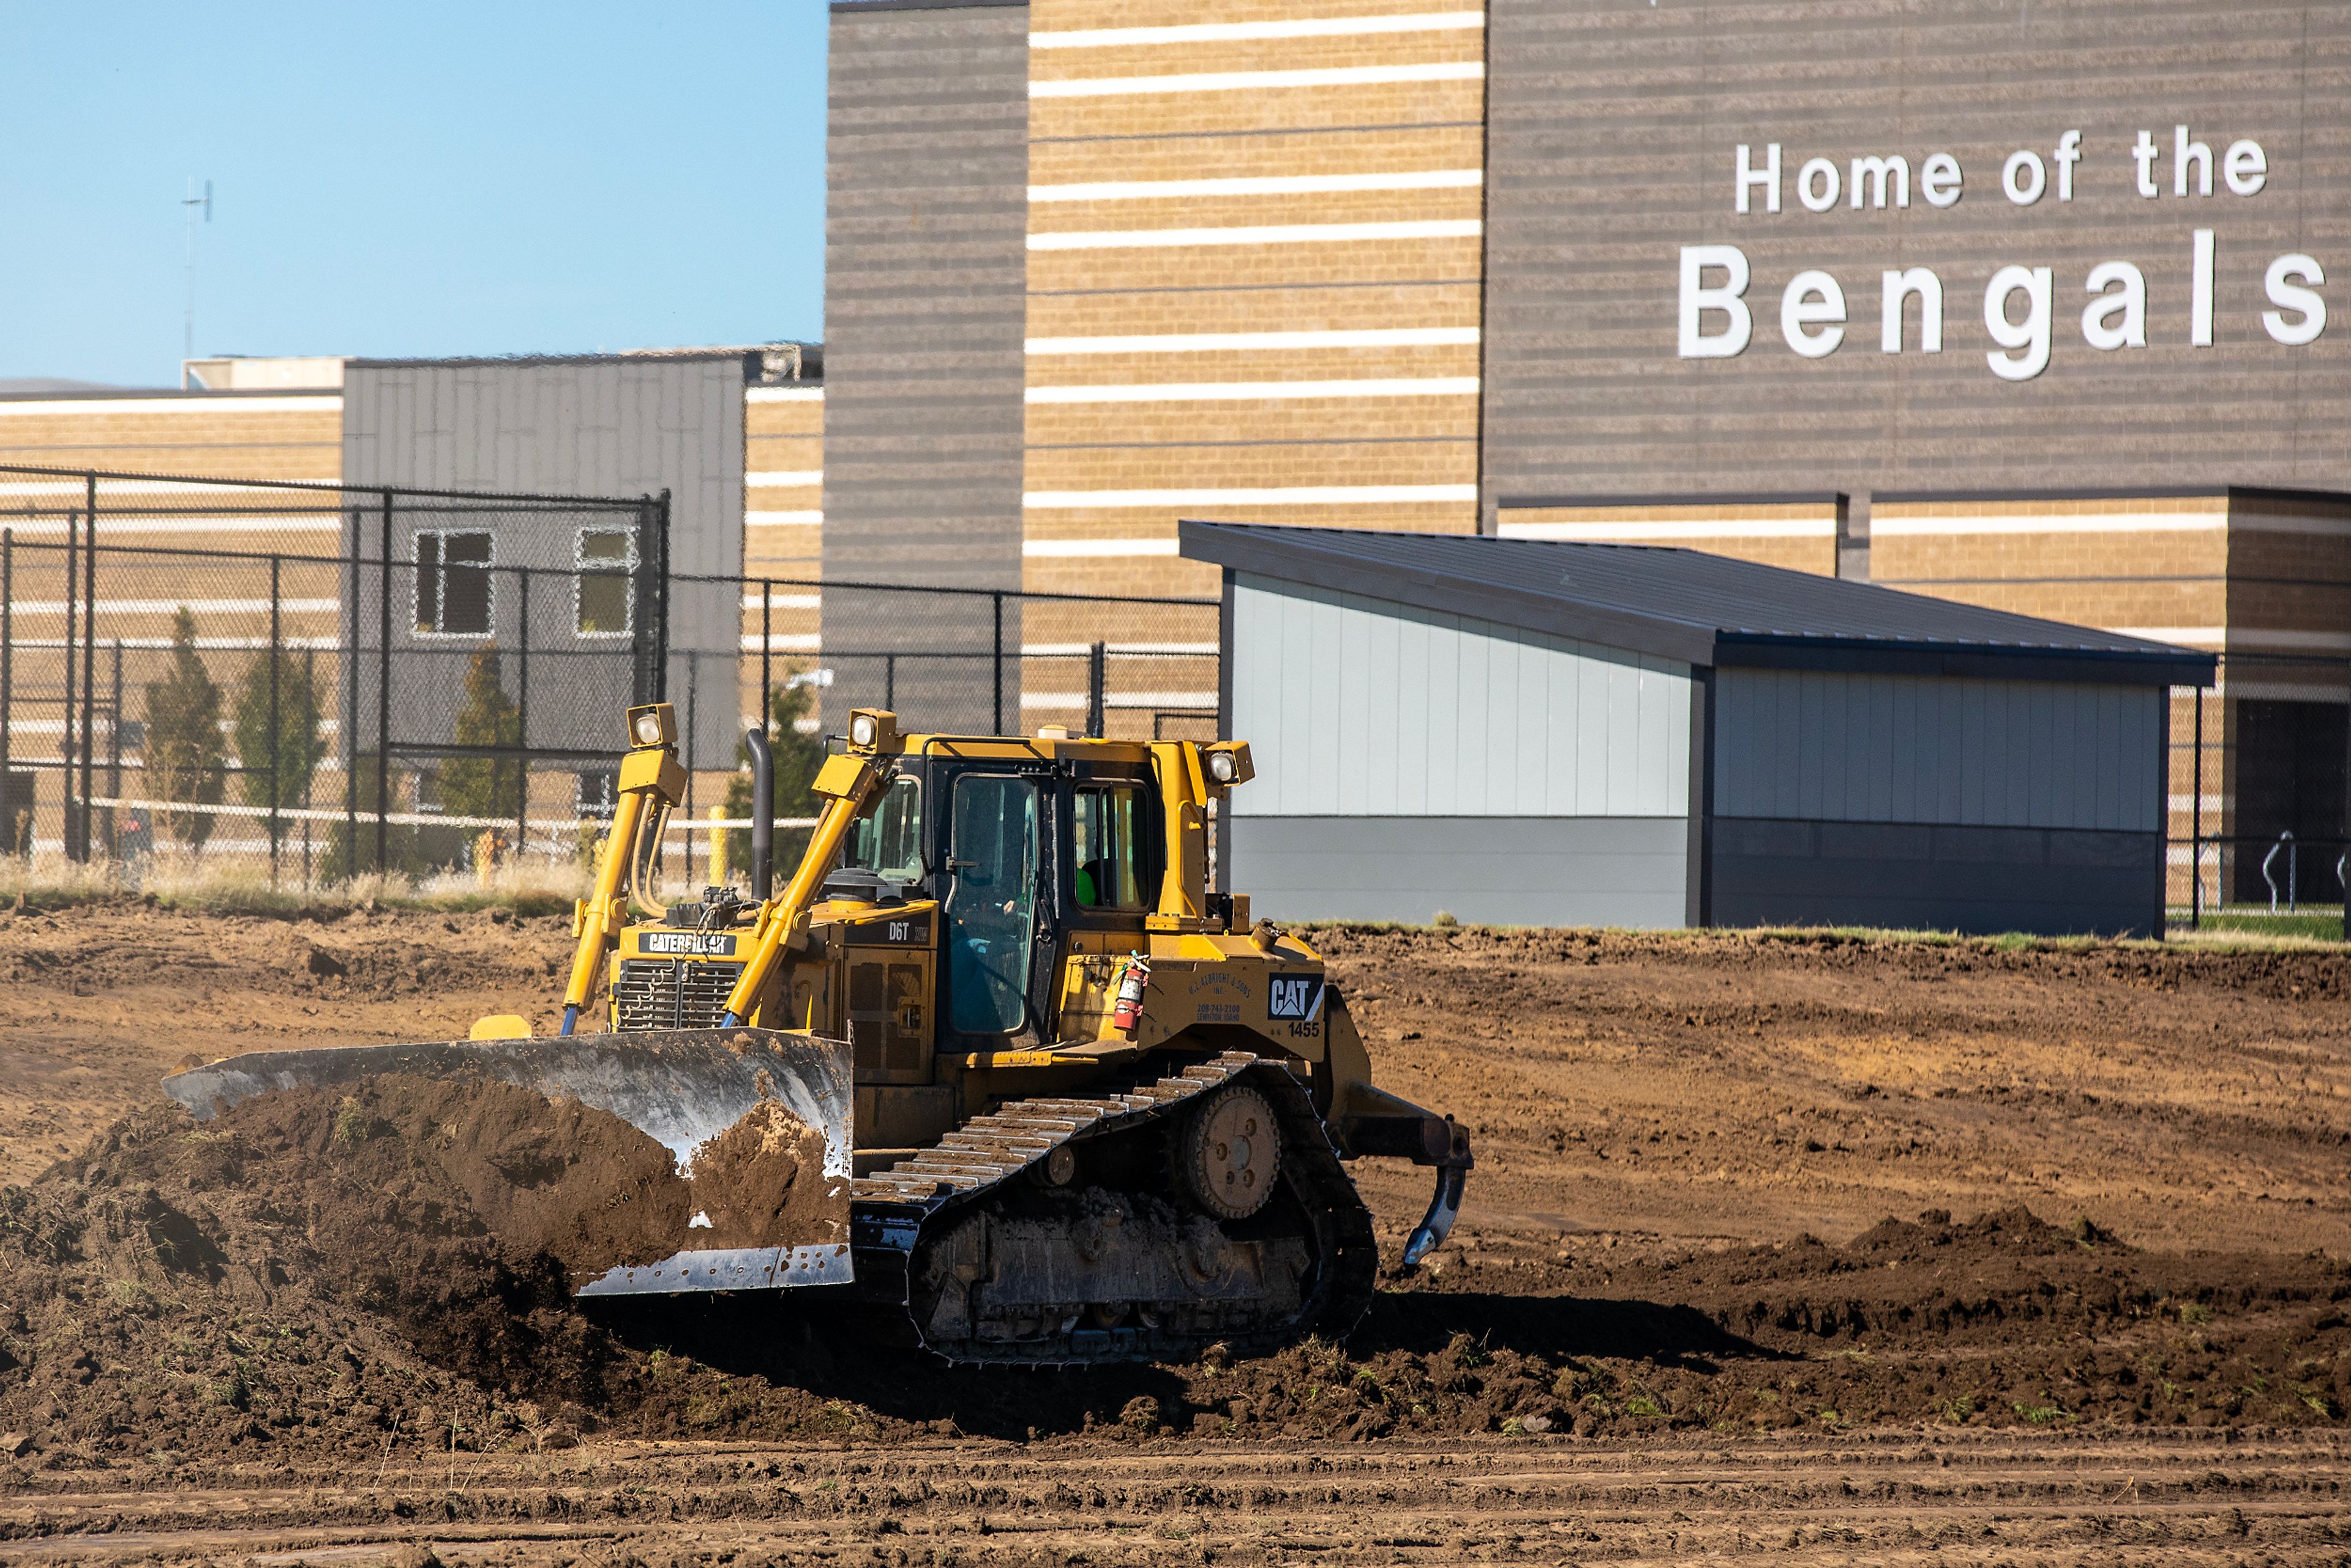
{"x": 1017, "y": 853}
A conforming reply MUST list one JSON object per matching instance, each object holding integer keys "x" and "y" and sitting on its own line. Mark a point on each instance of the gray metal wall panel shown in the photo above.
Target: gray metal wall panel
{"x": 1467, "y": 726}
{"x": 1817, "y": 746}
{"x": 600, "y": 427}
{"x": 1497, "y": 871}
{"x": 1611, "y": 145}
{"x": 1788, "y": 872}
{"x": 926, "y": 273}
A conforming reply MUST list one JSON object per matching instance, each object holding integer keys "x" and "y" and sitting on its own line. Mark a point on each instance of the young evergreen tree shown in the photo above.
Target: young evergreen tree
{"x": 298, "y": 745}
{"x": 184, "y": 764}
{"x": 484, "y": 785}
{"x": 796, "y": 757}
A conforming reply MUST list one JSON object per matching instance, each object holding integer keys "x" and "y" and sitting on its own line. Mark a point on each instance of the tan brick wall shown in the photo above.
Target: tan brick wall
{"x": 1382, "y": 149}
{"x": 1740, "y": 530}
{"x": 264, "y": 439}
{"x": 1200, "y": 446}
{"x": 782, "y": 435}
{"x": 1303, "y": 307}
{"x": 2087, "y": 566}
{"x": 1053, "y": 16}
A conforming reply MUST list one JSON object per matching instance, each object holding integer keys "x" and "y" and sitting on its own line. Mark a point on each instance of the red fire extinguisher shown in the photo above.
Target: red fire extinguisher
{"x": 1130, "y": 992}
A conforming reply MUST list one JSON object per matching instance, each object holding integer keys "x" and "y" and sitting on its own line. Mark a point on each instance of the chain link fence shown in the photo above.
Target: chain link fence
{"x": 335, "y": 682}
{"x": 2261, "y": 785}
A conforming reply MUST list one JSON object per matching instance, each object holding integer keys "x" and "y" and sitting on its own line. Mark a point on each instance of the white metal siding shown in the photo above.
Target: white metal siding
{"x": 1358, "y": 706}
{"x": 1900, "y": 749}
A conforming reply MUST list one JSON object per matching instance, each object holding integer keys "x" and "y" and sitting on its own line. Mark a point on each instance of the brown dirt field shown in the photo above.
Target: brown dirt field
{"x": 2130, "y": 1342}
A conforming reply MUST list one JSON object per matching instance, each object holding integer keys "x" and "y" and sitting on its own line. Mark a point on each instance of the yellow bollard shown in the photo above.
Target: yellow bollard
{"x": 717, "y": 848}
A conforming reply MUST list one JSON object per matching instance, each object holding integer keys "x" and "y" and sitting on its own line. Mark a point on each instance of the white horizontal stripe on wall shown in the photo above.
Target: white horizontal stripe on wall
{"x": 1262, "y": 233}
{"x": 225, "y": 493}
{"x": 1710, "y": 528}
{"x": 1242, "y": 32}
{"x": 1077, "y": 701}
{"x": 2197, "y": 636}
{"x": 241, "y": 523}
{"x": 1258, "y": 185}
{"x": 785, "y": 642}
{"x": 173, "y": 606}
{"x": 809, "y": 517}
{"x": 1231, "y": 391}
{"x": 770, "y": 477}
{"x": 1071, "y": 547}
{"x": 326, "y": 403}
{"x": 1259, "y": 81}
{"x": 2053, "y": 523}
{"x": 1814, "y": 745}
{"x": 1115, "y": 650}
{"x": 785, "y": 602}
{"x": 783, "y": 395}
{"x": 1356, "y": 707}
{"x": 1208, "y": 342}
{"x": 205, "y": 644}
{"x": 1271, "y": 496}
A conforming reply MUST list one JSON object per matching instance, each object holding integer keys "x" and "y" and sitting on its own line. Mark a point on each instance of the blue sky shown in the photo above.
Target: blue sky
{"x": 415, "y": 179}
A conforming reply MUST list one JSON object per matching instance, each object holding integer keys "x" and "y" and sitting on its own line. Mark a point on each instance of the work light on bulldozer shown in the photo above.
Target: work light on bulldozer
{"x": 996, "y": 1064}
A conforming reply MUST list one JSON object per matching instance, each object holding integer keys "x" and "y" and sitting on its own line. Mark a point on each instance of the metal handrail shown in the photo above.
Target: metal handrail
{"x": 2285, "y": 843}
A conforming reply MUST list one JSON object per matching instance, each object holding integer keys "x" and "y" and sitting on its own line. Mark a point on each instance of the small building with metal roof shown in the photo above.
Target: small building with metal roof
{"x": 1523, "y": 732}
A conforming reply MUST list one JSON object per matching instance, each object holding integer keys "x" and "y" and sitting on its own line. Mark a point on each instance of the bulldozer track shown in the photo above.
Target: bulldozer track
{"x": 894, "y": 1212}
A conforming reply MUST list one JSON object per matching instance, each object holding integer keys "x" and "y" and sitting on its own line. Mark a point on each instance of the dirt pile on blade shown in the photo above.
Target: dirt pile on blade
{"x": 761, "y": 1183}
{"x": 318, "y": 1273}
{"x": 407, "y": 1163}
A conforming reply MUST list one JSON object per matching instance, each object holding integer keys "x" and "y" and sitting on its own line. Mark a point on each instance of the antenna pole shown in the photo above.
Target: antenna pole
{"x": 191, "y": 201}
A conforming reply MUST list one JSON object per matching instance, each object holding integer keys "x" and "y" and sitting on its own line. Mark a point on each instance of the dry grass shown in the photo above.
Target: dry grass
{"x": 177, "y": 877}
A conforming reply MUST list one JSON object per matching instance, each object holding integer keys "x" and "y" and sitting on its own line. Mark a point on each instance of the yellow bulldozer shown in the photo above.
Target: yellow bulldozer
{"x": 1075, "y": 1106}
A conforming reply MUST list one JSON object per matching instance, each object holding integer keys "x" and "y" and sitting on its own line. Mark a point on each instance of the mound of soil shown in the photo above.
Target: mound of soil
{"x": 324, "y": 1277}
{"x": 316, "y": 1272}
{"x": 761, "y": 1183}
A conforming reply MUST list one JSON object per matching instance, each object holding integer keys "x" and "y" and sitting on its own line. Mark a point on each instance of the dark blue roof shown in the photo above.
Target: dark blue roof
{"x": 1705, "y": 610}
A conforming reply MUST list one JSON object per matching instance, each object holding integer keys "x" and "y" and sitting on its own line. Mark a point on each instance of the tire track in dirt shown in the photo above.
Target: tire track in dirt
{"x": 1940, "y": 1498}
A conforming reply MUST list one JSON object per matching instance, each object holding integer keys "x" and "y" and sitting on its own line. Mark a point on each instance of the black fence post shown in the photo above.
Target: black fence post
{"x": 88, "y": 659}
{"x": 522, "y": 717}
{"x": 350, "y": 656}
{"x": 2196, "y": 825}
{"x": 2344, "y": 864}
{"x": 7, "y": 683}
{"x": 889, "y": 682}
{"x": 1097, "y": 677}
{"x": 651, "y": 621}
{"x": 309, "y": 684}
{"x": 276, "y": 745}
{"x": 767, "y": 643}
{"x": 384, "y": 693}
{"x": 114, "y": 763}
{"x": 997, "y": 661}
{"x": 66, "y": 731}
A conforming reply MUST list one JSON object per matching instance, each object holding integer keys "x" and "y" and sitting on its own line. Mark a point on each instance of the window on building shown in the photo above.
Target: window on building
{"x": 596, "y": 793}
{"x": 601, "y": 600}
{"x": 453, "y": 584}
{"x": 1108, "y": 872}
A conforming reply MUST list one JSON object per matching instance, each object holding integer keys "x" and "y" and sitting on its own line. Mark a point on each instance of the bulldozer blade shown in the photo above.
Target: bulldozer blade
{"x": 680, "y": 1087}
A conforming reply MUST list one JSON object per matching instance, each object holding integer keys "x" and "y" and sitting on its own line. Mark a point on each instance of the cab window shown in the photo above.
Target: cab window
{"x": 888, "y": 840}
{"x": 992, "y": 861}
{"x": 1103, "y": 829}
